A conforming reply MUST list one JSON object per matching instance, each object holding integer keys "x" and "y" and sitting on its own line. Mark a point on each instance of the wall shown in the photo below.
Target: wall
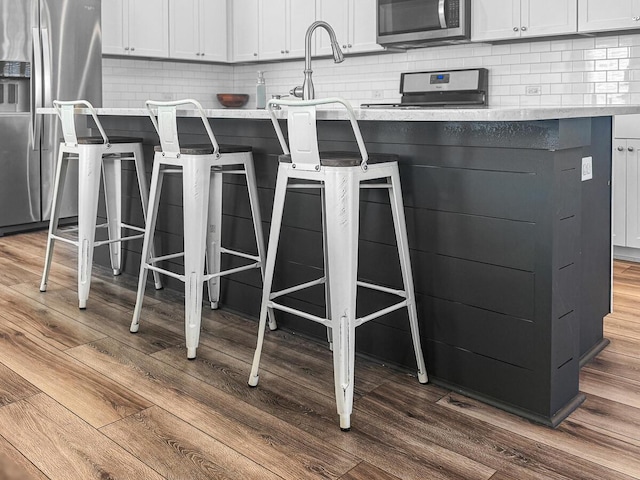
{"x": 582, "y": 71}
{"x": 130, "y": 82}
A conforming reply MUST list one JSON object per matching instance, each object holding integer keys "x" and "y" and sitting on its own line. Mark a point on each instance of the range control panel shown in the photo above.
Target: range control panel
{"x": 453, "y": 80}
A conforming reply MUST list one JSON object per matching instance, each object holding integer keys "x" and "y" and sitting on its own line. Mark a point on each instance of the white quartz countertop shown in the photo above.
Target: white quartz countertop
{"x": 491, "y": 114}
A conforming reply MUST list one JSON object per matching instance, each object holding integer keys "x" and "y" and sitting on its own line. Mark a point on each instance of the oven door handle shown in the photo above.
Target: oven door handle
{"x": 443, "y": 19}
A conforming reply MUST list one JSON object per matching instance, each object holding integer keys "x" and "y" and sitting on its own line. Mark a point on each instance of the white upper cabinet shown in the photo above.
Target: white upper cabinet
{"x": 198, "y": 30}
{"x": 282, "y": 28}
{"x": 136, "y": 27}
{"x": 115, "y": 22}
{"x": 354, "y": 22}
{"x": 601, "y": 15}
{"x": 272, "y": 33}
{"x": 300, "y": 15}
{"x": 245, "y": 30}
{"x": 510, "y": 19}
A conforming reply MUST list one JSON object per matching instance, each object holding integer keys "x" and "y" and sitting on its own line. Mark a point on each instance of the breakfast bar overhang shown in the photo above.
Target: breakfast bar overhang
{"x": 510, "y": 242}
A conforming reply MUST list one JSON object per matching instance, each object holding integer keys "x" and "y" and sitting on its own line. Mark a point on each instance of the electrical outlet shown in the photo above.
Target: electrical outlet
{"x": 533, "y": 90}
{"x": 377, "y": 94}
{"x": 587, "y": 168}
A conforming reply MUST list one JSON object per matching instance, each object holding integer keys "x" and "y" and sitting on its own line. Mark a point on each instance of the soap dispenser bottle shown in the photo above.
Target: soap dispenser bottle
{"x": 261, "y": 91}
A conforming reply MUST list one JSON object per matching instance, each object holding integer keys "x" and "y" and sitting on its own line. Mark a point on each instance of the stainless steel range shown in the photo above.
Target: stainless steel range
{"x": 443, "y": 88}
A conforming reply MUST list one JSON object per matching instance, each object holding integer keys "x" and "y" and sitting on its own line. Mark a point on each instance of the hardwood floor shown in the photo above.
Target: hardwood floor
{"x": 82, "y": 398}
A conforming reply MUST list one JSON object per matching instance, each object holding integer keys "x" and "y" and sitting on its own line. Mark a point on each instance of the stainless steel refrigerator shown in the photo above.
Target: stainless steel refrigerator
{"x": 49, "y": 50}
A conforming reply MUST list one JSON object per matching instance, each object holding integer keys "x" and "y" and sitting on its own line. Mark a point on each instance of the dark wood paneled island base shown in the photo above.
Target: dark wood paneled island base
{"x": 510, "y": 249}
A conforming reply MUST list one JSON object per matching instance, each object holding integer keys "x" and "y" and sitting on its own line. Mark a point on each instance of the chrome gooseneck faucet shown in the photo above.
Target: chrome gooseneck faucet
{"x": 306, "y": 91}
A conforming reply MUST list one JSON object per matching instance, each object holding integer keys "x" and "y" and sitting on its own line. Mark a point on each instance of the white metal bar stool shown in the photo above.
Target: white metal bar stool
{"x": 94, "y": 155}
{"x": 201, "y": 167}
{"x": 340, "y": 176}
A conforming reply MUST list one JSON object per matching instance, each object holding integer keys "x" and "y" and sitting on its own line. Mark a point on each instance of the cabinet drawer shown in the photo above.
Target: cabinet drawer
{"x": 627, "y": 126}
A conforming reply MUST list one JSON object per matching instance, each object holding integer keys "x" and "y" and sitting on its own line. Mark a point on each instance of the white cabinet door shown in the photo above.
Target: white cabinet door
{"x": 245, "y": 30}
{"x": 136, "y": 27}
{"x": 336, "y": 14}
{"x": 495, "y": 19}
{"x": 602, "y": 15}
{"x": 548, "y": 17}
{"x": 115, "y": 25}
{"x": 619, "y": 193}
{"x": 149, "y": 28}
{"x": 213, "y": 30}
{"x": 633, "y": 194}
{"x": 363, "y": 28}
{"x": 508, "y": 19}
{"x": 300, "y": 15}
{"x": 354, "y": 22}
{"x": 273, "y": 29}
{"x": 184, "y": 29}
{"x": 198, "y": 30}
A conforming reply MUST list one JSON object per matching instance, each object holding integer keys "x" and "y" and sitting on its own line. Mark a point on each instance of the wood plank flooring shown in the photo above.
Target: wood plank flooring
{"x": 82, "y": 398}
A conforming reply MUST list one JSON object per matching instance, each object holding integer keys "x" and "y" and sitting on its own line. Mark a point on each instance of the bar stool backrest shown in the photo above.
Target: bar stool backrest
{"x": 66, "y": 111}
{"x": 302, "y": 130}
{"x": 166, "y": 124}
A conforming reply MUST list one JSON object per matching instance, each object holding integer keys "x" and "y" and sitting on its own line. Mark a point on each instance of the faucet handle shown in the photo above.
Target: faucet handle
{"x": 277, "y": 97}
{"x": 296, "y": 92}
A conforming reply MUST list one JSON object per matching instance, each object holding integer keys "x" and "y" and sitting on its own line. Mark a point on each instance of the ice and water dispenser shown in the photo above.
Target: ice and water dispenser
{"x": 14, "y": 86}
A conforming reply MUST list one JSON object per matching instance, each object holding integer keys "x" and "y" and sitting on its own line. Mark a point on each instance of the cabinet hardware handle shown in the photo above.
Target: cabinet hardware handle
{"x": 524, "y": 29}
{"x": 344, "y": 46}
{"x": 635, "y": 19}
{"x": 630, "y": 149}
{"x": 620, "y": 149}
{"x": 350, "y": 45}
{"x": 133, "y": 48}
{"x": 202, "y": 54}
{"x": 255, "y": 54}
{"x": 515, "y": 29}
{"x": 126, "y": 48}
{"x": 286, "y": 51}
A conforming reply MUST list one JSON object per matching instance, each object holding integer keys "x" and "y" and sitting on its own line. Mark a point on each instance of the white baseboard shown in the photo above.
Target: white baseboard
{"x": 626, "y": 253}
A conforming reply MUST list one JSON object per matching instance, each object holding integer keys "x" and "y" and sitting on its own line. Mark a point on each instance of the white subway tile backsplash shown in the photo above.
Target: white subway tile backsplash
{"x": 551, "y": 57}
{"x": 602, "y": 42}
{"x": 618, "y": 75}
{"x": 595, "y": 54}
{"x": 593, "y": 71}
{"x": 606, "y": 64}
{"x": 561, "y": 88}
{"x": 595, "y": 77}
{"x": 606, "y": 87}
{"x": 620, "y": 52}
{"x": 572, "y": 99}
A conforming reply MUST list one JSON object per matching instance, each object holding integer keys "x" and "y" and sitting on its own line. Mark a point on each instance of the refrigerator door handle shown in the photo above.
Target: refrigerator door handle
{"x": 46, "y": 67}
{"x": 36, "y": 85}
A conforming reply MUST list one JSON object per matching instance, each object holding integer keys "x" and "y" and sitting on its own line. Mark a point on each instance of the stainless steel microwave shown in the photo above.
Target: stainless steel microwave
{"x": 416, "y": 23}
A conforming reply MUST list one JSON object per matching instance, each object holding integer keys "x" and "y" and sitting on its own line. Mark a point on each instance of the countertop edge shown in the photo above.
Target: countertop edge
{"x": 496, "y": 114}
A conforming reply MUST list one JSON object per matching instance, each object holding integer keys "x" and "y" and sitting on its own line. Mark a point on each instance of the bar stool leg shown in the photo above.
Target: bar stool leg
{"x": 272, "y": 250}
{"x": 252, "y": 188}
{"x": 58, "y": 187}
{"x": 196, "y": 182}
{"x": 88, "y": 190}
{"x": 112, "y": 180}
{"x": 397, "y": 209}
{"x": 327, "y": 290}
{"x": 214, "y": 237}
{"x": 147, "y": 244}
{"x": 143, "y": 188}
{"x": 342, "y": 191}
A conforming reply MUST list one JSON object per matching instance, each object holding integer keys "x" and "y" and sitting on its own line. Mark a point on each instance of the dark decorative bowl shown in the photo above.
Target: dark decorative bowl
{"x": 233, "y": 100}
